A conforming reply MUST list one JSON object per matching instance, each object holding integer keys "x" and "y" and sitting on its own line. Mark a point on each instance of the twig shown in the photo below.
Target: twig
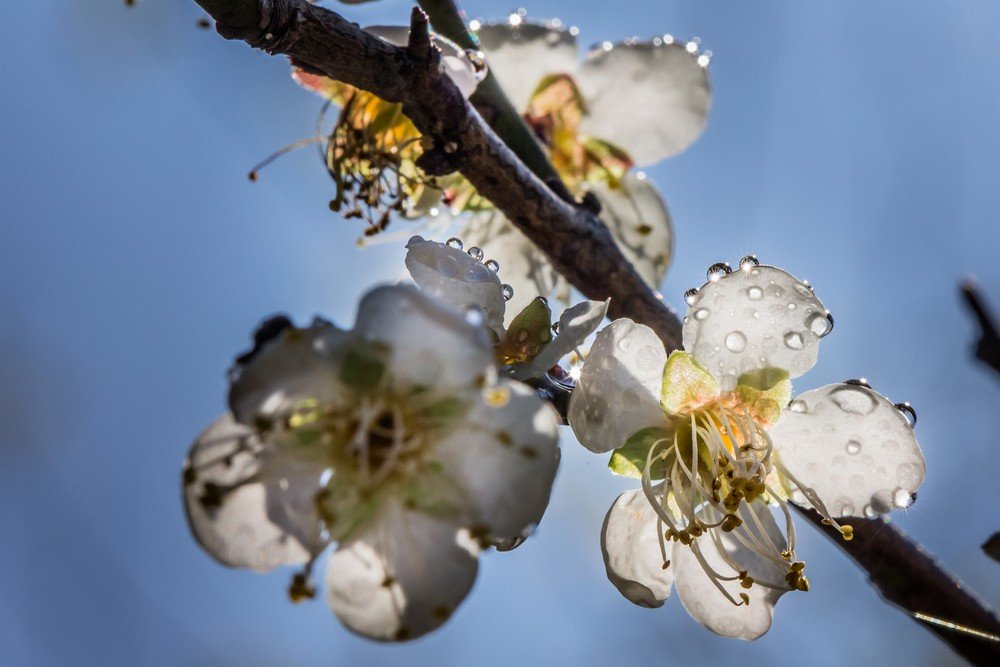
{"x": 572, "y": 236}
{"x": 988, "y": 345}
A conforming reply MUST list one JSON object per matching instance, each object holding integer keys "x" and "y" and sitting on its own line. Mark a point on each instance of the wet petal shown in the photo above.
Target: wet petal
{"x": 505, "y": 455}
{"x": 456, "y": 277}
{"x": 618, "y": 392}
{"x": 295, "y": 365}
{"x": 521, "y": 55}
{"x": 638, "y": 217}
{"x": 852, "y": 447}
{"x": 454, "y": 61}
{"x": 575, "y": 325}
{"x": 650, "y": 99}
{"x": 703, "y": 600}
{"x": 233, "y": 509}
{"x": 753, "y": 318}
{"x": 522, "y": 266}
{"x": 632, "y": 555}
{"x": 402, "y": 577}
{"x": 430, "y": 344}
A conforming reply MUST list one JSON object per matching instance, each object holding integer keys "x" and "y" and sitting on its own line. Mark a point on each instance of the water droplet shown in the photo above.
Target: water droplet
{"x": 798, "y": 406}
{"x": 690, "y": 295}
{"x": 477, "y": 273}
{"x": 820, "y": 323}
{"x": 555, "y": 327}
{"x": 755, "y": 293}
{"x": 717, "y": 270}
{"x": 861, "y": 382}
{"x": 474, "y": 316}
{"x": 701, "y": 314}
{"x": 853, "y": 399}
{"x": 507, "y": 291}
{"x": 493, "y": 265}
{"x": 736, "y": 341}
{"x": 793, "y": 340}
{"x": 455, "y": 242}
{"x": 870, "y": 512}
{"x": 853, "y": 446}
{"x": 414, "y": 240}
{"x": 475, "y": 253}
{"x": 847, "y": 509}
{"x": 901, "y": 497}
{"x": 542, "y": 300}
{"x": 791, "y": 305}
{"x": 447, "y": 266}
{"x": 749, "y": 262}
{"x": 908, "y": 412}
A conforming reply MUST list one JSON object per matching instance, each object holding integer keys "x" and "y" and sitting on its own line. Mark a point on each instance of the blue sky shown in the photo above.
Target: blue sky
{"x": 853, "y": 143}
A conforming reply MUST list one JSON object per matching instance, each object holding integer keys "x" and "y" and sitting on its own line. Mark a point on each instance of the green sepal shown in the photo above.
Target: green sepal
{"x": 528, "y": 333}
{"x": 629, "y": 460}
{"x": 687, "y": 384}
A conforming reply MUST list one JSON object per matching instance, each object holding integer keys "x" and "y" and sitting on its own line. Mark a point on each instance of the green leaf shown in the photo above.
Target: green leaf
{"x": 629, "y": 460}
{"x": 687, "y": 384}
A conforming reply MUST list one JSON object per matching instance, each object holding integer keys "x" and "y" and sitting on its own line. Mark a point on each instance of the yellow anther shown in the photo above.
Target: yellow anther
{"x": 847, "y": 532}
{"x": 666, "y": 564}
{"x": 797, "y": 566}
{"x": 745, "y": 598}
{"x": 802, "y": 584}
{"x": 730, "y": 522}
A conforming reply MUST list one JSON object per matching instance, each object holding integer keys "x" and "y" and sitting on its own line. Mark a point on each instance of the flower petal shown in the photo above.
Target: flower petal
{"x": 650, "y": 99}
{"x": 703, "y": 600}
{"x": 640, "y": 222}
{"x": 618, "y": 392}
{"x": 755, "y": 317}
{"x": 686, "y": 384}
{"x": 430, "y": 343}
{"x": 851, "y": 446}
{"x": 505, "y": 456}
{"x": 521, "y": 55}
{"x": 575, "y": 325}
{"x": 293, "y": 365}
{"x": 454, "y": 61}
{"x": 631, "y": 548}
{"x": 456, "y": 277}
{"x": 402, "y": 577}
{"x": 522, "y": 266}
{"x": 239, "y": 516}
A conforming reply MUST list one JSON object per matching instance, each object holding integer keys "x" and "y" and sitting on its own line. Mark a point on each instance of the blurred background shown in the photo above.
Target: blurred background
{"x": 853, "y": 143}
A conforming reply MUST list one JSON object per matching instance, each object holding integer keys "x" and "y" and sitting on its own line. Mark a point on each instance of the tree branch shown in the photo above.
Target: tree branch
{"x": 988, "y": 346}
{"x": 578, "y": 244}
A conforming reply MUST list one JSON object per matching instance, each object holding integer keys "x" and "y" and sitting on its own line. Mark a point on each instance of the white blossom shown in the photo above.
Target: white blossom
{"x": 394, "y": 440}
{"x": 715, "y": 440}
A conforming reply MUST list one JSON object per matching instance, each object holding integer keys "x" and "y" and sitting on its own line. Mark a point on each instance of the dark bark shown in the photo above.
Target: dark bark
{"x": 988, "y": 345}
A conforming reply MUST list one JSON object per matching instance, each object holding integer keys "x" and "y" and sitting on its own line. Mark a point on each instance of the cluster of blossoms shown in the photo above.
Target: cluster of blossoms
{"x": 626, "y": 105}
{"x": 716, "y": 439}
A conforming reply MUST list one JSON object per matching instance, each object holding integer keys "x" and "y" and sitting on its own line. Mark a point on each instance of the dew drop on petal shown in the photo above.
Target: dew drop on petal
{"x": 475, "y": 317}
{"x": 820, "y": 324}
{"x": 736, "y": 341}
{"x": 701, "y": 314}
{"x": 798, "y": 406}
{"x": 847, "y": 509}
{"x": 755, "y": 293}
{"x": 793, "y": 340}
{"x": 508, "y": 291}
{"x": 447, "y": 266}
{"x": 475, "y": 253}
{"x": 455, "y": 242}
{"x": 908, "y": 412}
{"x": 749, "y": 262}
{"x": 870, "y": 512}
{"x": 853, "y": 400}
{"x": 690, "y": 295}
{"x": 717, "y": 271}
{"x": 853, "y": 446}
{"x": 901, "y": 497}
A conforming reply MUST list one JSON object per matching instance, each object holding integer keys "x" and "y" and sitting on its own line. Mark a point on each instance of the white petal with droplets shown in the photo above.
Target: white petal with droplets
{"x": 852, "y": 447}
{"x": 755, "y": 317}
{"x": 456, "y": 277}
{"x": 402, "y": 577}
{"x": 618, "y": 392}
{"x": 505, "y": 455}
{"x": 640, "y": 222}
{"x": 632, "y": 555}
{"x": 651, "y": 100}
{"x": 703, "y": 600}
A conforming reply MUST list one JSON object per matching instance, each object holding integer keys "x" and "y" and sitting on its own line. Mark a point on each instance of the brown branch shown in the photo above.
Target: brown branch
{"x": 988, "y": 345}
{"x": 577, "y": 243}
